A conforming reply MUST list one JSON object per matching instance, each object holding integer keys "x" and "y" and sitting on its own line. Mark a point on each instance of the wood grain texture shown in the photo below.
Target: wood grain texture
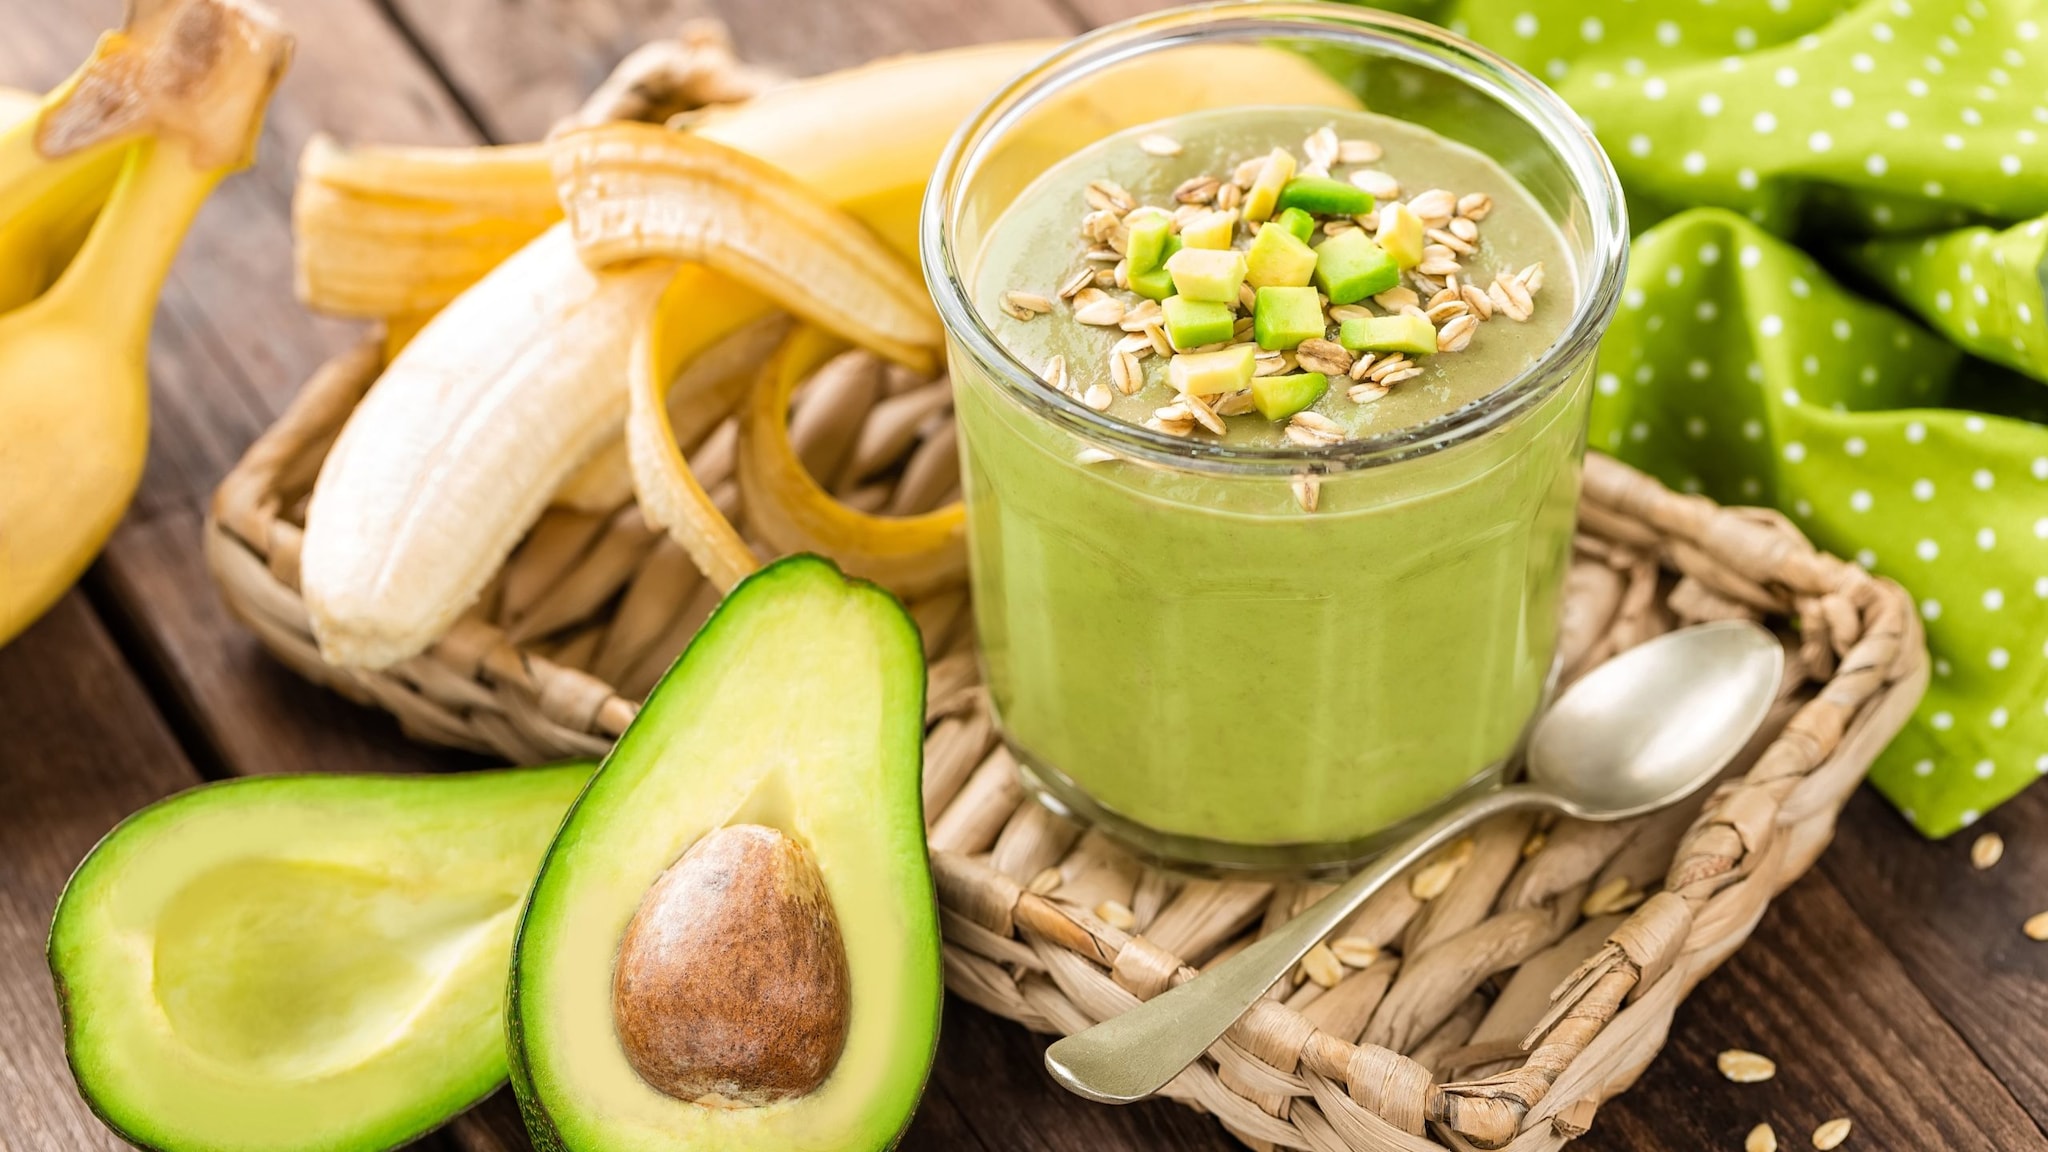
{"x": 83, "y": 747}
{"x": 1956, "y": 931}
{"x": 249, "y": 714}
{"x": 1816, "y": 990}
{"x": 522, "y": 66}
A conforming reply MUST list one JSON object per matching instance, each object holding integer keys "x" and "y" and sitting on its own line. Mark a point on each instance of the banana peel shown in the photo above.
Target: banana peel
{"x": 386, "y": 232}
{"x": 171, "y": 103}
{"x": 786, "y": 505}
{"x": 876, "y": 176}
{"x": 636, "y": 192}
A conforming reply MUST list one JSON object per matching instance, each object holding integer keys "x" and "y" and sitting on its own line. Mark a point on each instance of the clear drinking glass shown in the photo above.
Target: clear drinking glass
{"x": 1175, "y": 650}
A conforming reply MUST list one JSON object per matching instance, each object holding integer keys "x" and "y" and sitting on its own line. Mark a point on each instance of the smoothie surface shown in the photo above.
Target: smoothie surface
{"x": 1038, "y": 247}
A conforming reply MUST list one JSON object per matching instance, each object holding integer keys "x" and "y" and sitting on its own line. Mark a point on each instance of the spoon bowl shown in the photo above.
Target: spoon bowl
{"x": 1641, "y": 732}
{"x": 1656, "y": 723}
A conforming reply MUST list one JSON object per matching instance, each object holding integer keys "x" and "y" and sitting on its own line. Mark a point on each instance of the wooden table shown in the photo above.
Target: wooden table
{"x": 1892, "y": 986}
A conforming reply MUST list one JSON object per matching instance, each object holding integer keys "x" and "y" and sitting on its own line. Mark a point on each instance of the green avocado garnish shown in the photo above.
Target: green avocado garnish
{"x": 1284, "y": 317}
{"x": 1406, "y": 332}
{"x": 1351, "y": 267}
{"x": 1278, "y": 258}
{"x": 1279, "y": 397}
{"x": 1324, "y": 196}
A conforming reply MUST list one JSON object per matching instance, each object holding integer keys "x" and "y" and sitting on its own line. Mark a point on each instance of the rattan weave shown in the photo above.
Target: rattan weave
{"x": 1503, "y": 1006}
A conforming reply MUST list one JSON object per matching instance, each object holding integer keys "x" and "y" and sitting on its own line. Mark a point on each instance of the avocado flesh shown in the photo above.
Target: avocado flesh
{"x": 300, "y": 962}
{"x": 799, "y": 706}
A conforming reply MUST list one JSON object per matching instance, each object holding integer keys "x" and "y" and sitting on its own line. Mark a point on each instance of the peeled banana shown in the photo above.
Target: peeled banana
{"x": 456, "y": 448}
{"x": 165, "y": 108}
{"x": 459, "y": 445}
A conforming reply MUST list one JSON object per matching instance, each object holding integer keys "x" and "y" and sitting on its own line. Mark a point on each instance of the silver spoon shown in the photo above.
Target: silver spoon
{"x": 1641, "y": 732}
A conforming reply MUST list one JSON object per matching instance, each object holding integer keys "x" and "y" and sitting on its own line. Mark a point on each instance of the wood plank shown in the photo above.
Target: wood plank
{"x": 1817, "y": 991}
{"x": 84, "y": 748}
{"x": 253, "y": 715}
{"x": 1956, "y": 930}
{"x": 522, "y": 67}
{"x": 996, "y": 1070}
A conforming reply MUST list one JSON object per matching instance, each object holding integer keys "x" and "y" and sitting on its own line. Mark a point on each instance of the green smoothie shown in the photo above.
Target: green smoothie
{"x": 1220, "y": 656}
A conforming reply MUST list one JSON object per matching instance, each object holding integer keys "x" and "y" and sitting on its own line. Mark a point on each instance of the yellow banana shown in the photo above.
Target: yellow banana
{"x": 459, "y": 445}
{"x": 173, "y": 102}
{"x": 16, "y": 106}
{"x": 786, "y": 505}
{"x": 50, "y": 207}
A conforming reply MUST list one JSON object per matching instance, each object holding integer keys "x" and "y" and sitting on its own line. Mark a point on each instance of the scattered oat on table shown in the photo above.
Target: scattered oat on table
{"x": 1831, "y": 1134}
{"x": 1745, "y": 1067}
{"x": 1762, "y": 1138}
{"x": 1987, "y": 851}
{"x": 2036, "y": 926}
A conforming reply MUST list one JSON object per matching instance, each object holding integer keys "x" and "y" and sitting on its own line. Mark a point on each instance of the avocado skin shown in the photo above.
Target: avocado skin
{"x": 290, "y": 788}
{"x": 542, "y": 1129}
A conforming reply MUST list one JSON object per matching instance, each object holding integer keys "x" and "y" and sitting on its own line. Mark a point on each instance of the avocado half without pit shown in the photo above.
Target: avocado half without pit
{"x": 733, "y": 941}
{"x": 301, "y": 963}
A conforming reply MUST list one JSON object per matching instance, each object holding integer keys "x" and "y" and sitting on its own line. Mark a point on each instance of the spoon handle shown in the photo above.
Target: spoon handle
{"x": 1131, "y": 1056}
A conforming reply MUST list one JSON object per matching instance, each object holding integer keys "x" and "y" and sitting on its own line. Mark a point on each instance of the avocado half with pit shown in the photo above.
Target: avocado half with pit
{"x": 732, "y": 942}
{"x": 300, "y": 963}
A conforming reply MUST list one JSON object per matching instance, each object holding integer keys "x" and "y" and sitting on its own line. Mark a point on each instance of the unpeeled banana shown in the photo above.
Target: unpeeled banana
{"x": 113, "y": 165}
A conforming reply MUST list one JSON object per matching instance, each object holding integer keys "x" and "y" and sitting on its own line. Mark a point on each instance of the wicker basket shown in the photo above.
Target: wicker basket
{"x": 1510, "y": 994}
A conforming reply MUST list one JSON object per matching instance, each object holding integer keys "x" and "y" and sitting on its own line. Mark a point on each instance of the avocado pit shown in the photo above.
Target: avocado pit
{"x": 731, "y": 988}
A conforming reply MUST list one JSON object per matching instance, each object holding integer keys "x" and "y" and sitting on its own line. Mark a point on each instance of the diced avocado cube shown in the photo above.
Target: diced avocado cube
{"x": 1155, "y": 283}
{"x": 1278, "y": 259}
{"x": 1279, "y": 397}
{"x": 1264, "y": 195}
{"x": 1212, "y": 229}
{"x": 1324, "y": 196}
{"x": 1146, "y": 247}
{"x": 1207, "y": 274}
{"x": 1401, "y": 235}
{"x": 1284, "y": 317}
{"x": 1211, "y": 373}
{"x": 1406, "y": 332}
{"x": 1350, "y": 267}
{"x": 1193, "y": 323}
{"x": 1298, "y": 222}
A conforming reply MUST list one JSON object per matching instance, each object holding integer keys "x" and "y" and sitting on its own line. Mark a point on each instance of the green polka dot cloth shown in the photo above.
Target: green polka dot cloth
{"x": 1835, "y": 307}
